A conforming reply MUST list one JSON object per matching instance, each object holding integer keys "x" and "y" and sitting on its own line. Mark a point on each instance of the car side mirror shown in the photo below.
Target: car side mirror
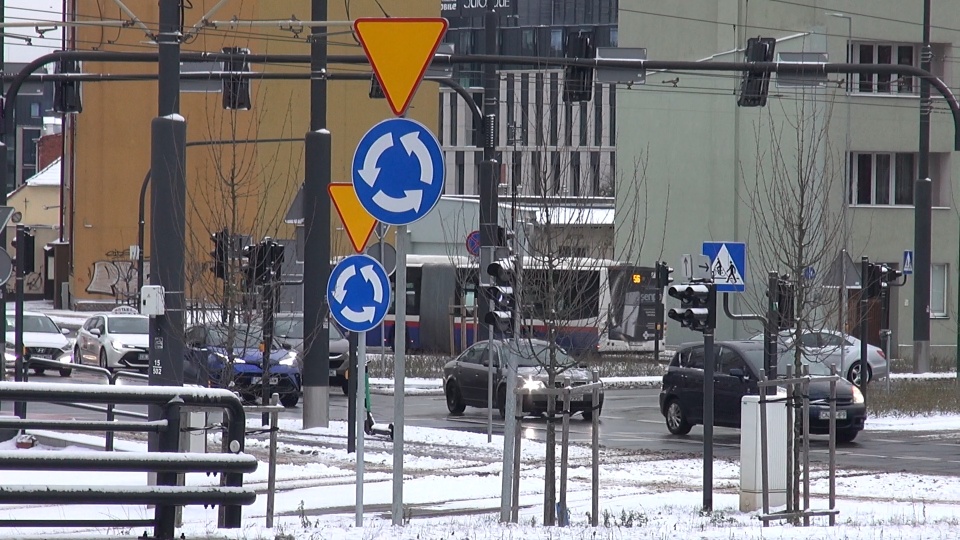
{"x": 64, "y": 331}
{"x": 286, "y": 346}
{"x": 95, "y": 331}
{"x": 738, "y": 373}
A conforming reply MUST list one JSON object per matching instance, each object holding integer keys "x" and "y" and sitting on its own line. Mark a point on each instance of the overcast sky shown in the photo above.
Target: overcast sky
{"x": 16, "y": 50}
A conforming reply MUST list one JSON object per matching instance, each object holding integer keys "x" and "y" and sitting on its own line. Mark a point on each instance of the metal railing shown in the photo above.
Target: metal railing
{"x": 166, "y": 495}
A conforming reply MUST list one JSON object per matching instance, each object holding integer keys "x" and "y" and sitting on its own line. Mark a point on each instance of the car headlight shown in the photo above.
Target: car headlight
{"x": 117, "y": 346}
{"x": 67, "y": 348}
{"x": 289, "y": 360}
{"x": 533, "y": 384}
{"x": 225, "y": 359}
{"x": 857, "y": 395}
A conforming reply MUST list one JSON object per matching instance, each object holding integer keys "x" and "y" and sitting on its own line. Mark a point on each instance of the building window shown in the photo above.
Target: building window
{"x": 938, "y": 290}
{"x": 882, "y": 179}
{"x": 885, "y": 53}
{"x": 34, "y": 110}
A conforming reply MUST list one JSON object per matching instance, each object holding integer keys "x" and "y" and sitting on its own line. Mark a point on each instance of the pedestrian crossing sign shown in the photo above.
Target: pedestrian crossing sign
{"x": 728, "y": 265}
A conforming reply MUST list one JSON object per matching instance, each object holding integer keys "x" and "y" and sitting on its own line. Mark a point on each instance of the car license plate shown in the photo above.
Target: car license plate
{"x": 42, "y": 356}
{"x": 143, "y": 356}
{"x": 841, "y": 415}
{"x": 333, "y": 373}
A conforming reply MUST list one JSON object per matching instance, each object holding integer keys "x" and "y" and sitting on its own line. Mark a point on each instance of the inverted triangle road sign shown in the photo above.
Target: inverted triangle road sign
{"x": 400, "y": 50}
{"x": 358, "y": 223}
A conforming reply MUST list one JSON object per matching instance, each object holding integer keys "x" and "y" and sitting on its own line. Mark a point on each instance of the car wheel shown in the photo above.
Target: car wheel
{"x": 455, "y": 402}
{"x": 289, "y": 400}
{"x": 502, "y": 402}
{"x": 39, "y": 370}
{"x": 65, "y": 372}
{"x": 853, "y": 375}
{"x": 847, "y": 435}
{"x": 676, "y": 420}
{"x": 588, "y": 413}
{"x": 77, "y": 359}
{"x": 103, "y": 359}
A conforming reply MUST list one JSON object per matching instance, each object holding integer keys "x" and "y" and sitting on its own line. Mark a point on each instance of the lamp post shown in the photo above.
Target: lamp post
{"x": 922, "y": 205}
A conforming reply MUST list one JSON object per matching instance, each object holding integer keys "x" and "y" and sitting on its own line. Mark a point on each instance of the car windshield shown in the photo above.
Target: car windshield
{"x": 530, "y": 354}
{"x": 128, "y": 325}
{"x": 292, "y": 328}
{"x": 243, "y": 338}
{"x": 40, "y": 324}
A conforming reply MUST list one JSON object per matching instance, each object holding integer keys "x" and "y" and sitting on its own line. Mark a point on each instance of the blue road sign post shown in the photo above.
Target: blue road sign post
{"x": 398, "y": 171}
{"x": 728, "y": 265}
{"x": 809, "y": 273}
{"x": 358, "y": 293}
{"x": 473, "y": 243}
{"x": 907, "y": 262}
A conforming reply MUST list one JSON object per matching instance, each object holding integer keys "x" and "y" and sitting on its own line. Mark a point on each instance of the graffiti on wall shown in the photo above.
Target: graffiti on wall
{"x": 116, "y": 276}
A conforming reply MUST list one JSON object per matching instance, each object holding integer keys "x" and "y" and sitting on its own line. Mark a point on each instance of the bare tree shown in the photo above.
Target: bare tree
{"x": 797, "y": 223}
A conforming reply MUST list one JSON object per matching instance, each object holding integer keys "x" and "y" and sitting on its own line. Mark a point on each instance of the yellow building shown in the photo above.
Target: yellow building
{"x": 244, "y": 187}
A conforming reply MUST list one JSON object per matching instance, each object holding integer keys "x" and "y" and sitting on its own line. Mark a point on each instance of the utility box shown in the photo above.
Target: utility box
{"x": 151, "y": 300}
{"x": 751, "y": 479}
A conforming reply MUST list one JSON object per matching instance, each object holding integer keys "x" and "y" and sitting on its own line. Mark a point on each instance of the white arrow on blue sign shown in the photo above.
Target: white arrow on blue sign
{"x": 358, "y": 293}
{"x": 398, "y": 171}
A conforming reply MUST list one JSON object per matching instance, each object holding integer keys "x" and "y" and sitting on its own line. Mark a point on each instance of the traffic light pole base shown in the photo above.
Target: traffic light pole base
{"x": 921, "y": 356}
{"x": 316, "y": 406}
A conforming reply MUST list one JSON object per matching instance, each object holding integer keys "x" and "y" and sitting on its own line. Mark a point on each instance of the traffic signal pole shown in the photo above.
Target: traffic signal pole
{"x": 708, "y": 371}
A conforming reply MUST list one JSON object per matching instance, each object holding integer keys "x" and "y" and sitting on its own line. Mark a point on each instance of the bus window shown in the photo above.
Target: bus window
{"x": 412, "y": 293}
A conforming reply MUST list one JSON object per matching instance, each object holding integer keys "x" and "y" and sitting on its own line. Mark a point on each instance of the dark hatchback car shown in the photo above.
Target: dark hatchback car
{"x": 737, "y": 367}
{"x": 232, "y": 359}
{"x": 465, "y": 377}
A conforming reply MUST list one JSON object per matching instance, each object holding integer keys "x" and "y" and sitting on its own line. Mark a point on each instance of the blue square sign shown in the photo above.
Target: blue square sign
{"x": 728, "y": 265}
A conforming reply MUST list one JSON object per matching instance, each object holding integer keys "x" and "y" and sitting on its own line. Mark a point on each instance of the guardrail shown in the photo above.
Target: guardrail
{"x": 112, "y": 378}
{"x": 166, "y": 495}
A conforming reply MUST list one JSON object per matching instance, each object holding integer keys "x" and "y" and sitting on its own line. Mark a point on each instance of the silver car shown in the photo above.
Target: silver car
{"x": 833, "y": 348}
{"x": 289, "y": 331}
{"x": 114, "y": 341}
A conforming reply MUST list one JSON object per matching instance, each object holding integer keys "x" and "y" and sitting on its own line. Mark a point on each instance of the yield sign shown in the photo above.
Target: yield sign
{"x": 358, "y": 223}
{"x": 400, "y": 50}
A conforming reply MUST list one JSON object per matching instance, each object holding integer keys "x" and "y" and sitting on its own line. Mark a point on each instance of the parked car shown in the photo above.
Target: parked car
{"x": 289, "y": 330}
{"x": 114, "y": 340}
{"x": 831, "y": 347}
{"x": 42, "y": 338}
{"x": 465, "y": 378}
{"x": 737, "y": 368}
{"x": 231, "y": 358}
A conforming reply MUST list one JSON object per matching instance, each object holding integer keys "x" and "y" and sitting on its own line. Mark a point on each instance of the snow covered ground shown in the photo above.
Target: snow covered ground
{"x": 452, "y": 484}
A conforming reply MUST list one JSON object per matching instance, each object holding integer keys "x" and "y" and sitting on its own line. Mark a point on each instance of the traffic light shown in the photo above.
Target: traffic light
{"x": 66, "y": 94}
{"x": 236, "y": 90}
{"x": 754, "y": 84}
{"x": 275, "y": 258}
{"x": 698, "y": 306}
{"x": 256, "y": 269}
{"x": 500, "y": 290}
{"x": 220, "y": 253}
{"x": 873, "y": 281}
{"x": 578, "y": 80}
{"x": 786, "y": 292}
{"x": 28, "y": 251}
{"x": 889, "y": 275}
{"x": 664, "y": 277}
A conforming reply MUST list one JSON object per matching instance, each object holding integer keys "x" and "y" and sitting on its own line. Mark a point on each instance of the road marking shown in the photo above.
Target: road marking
{"x": 917, "y": 458}
{"x": 889, "y": 441}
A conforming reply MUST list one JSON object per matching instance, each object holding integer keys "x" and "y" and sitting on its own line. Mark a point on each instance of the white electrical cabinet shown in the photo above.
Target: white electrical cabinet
{"x": 751, "y": 481}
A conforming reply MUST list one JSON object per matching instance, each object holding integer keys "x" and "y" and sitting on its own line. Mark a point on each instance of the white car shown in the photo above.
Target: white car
{"x": 832, "y": 347}
{"x": 42, "y": 338}
{"x": 114, "y": 340}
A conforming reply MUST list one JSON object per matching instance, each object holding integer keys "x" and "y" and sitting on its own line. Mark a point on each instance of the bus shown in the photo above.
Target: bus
{"x": 601, "y": 306}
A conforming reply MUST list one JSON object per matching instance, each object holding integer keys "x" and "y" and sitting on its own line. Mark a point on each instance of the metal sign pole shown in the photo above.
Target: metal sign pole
{"x": 400, "y": 343}
{"x": 361, "y": 372}
{"x": 708, "y": 370}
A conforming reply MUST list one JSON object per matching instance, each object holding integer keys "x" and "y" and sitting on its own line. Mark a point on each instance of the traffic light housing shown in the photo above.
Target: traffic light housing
{"x": 500, "y": 291}
{"x": 578, "y": 80}
{"x": 236, "y": 90}
{"x": 786, "y": 293}
{"x": 698, "y": 306}
{"x": 264, "y": 262}
{"x": 220, "y": 253}
{"x": 754, "y": 84}
{"x": 27, "y": 251}
{"x": 889, "y": 274}
{"x": 66, "y": 94}
{"x": 664, "y": 275}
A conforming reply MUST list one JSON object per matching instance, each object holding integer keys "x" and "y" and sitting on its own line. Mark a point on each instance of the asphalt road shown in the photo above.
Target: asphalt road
{"x": 631, "y": 420}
